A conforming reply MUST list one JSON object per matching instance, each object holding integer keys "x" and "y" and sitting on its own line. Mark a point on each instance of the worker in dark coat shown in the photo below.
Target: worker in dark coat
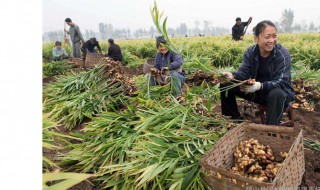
{"x": 114, "y": 50}
{"x": 269, "y": 63}
{"x": 238, "y": 28}
{"x": 90, "y": 46}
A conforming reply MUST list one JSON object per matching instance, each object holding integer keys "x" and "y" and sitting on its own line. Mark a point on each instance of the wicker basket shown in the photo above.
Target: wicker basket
{"x": 92, "y": 59}
{"x": 148, "y": 64}
{"x": 217, "y": 163}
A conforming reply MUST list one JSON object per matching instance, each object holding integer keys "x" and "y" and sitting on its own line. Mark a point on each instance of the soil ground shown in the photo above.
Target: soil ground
{"x": 308, "y": 121}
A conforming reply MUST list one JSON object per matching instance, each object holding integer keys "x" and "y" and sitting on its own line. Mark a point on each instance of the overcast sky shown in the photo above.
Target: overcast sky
{"x": 135, "y": 14}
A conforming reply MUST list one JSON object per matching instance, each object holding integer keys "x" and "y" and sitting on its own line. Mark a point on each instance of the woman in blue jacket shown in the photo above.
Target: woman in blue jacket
{"x": 168, "y": 61}
{"x": 269, "y": 63}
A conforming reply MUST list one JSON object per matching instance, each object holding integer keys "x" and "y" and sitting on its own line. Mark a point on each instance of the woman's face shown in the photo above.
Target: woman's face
{"x": 162, "y": 49}
{"x": 266, "y": 40}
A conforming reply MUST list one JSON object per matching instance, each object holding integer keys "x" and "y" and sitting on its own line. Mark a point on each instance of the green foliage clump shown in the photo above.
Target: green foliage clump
{"x": 54, "y": 68}
{"x": 130, "y": 59}
{"x": 77, "y": 96}
{"x": 146, "y": 148}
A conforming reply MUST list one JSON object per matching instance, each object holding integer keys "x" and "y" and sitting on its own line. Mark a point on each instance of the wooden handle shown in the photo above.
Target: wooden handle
{"x": 270, "y": 128}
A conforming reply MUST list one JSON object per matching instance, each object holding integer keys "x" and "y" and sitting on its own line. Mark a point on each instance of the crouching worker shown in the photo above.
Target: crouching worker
{"x": 90, "y": 46}
{"x": 114, "y": 51}
{"x": 167, "y": 64}
{"x": 269, "y": 63}
{"x": 59, "y": 52}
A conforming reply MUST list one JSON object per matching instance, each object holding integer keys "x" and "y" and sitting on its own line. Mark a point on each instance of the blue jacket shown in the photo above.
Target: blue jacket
{"x": 175, "y": 60}
{"x": 279, "y": 68}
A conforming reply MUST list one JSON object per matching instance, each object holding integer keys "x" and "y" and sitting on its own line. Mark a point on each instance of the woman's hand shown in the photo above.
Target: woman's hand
{"x": 164, "y": 69}
{"x": 227, "y": 75}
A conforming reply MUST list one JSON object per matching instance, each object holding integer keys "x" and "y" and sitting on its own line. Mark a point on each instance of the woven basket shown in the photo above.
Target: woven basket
{"x": 217, "y": 163}
{"x": 92, "y": 59}
{"x": 148, "y": 64}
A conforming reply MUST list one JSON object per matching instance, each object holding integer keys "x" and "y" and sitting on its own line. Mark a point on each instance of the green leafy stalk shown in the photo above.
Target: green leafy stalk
{"x": 68, "y": 180}
{"x": 312, "y": 144}
{"x": 162, "y": 28}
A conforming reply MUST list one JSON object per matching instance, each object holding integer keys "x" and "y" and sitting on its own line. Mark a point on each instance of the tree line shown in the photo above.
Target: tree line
{"x": 106, "y": 30}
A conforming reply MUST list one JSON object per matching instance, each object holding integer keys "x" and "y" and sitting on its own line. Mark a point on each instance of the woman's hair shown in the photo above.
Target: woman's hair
{"x": 58, "y": 43}
{"x": 159, "y": 40}
{"x": 262, "y": 25}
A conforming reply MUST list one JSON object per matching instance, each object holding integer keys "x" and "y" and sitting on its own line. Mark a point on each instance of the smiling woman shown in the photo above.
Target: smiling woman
{"x": 265, "y": 35}
{"x": 269, "y": 64}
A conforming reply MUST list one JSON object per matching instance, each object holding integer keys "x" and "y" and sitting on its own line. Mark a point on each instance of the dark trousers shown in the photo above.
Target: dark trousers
{"x": 276, "y": 101}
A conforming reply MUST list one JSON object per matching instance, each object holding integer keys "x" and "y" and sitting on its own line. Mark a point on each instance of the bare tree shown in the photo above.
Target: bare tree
{"x": 197, "y": 23}
{"x": 287, "y": 20}
{"x": 206, "y": 26}
{"x": 297, "y": 27}
{"x": 304, "y": 26}
{"x": 182, "y": 29}
{"x": 152, "y": 31}
{"x": 311, "y": 27}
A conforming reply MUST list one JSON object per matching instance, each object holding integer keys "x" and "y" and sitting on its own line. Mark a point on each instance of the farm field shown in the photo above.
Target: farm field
{"x": 108, "y": 122}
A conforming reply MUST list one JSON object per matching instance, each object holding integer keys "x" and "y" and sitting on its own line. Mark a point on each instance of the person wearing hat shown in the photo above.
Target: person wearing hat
{"x": 90, "y": 46}
{"x": 76, "y": 37}
{"x": 166, "y": 60}
{"x": 114, "y": 50}
{"x": 59, "y": 52}
{"x": 238, "y": 28}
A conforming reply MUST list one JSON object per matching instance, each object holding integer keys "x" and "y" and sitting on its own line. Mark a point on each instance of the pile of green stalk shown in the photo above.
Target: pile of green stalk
{"x": 77, "y": 96}
{"x": 54, "y": 68}
{"x": 146, "y": 148}
{"x": 52, "y": 139}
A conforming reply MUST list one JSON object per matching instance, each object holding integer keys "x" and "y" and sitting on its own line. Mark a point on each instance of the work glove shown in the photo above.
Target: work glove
{"x": 250, "y": 88}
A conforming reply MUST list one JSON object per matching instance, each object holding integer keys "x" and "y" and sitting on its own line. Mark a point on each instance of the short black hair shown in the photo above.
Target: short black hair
{"x": 238, "y": 19}
{"x": 262, "y": 25}
{"x": 68, "y": 20}
{"x": 58, "y": 43}
{"x": 93, "y": 40}
{"x": 111, "y": 41}
{"x": 160, "y": 40}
